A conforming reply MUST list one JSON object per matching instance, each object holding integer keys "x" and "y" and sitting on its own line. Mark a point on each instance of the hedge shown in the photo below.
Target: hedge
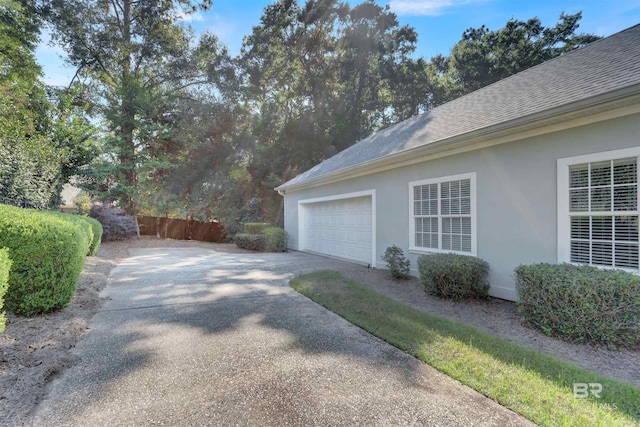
{"x": 5, "y": 267}
{"x": 454, "y": 276}
{"x": 275, "y": 239}
{"x": 91, "y": 228}
{"x": 47, "y": 250}
{"x": 581, "y": 303}
{"x": 252, "y": 242}
{"x": 94, "y": 247}
{"x": 255, "y": 227}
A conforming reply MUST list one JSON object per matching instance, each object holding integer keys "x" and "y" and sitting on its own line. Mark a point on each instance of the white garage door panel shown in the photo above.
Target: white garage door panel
{"x": 340, "y": 228}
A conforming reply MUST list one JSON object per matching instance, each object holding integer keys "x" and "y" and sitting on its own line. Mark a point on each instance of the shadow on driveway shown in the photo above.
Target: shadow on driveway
{"x": 197, "y": 337}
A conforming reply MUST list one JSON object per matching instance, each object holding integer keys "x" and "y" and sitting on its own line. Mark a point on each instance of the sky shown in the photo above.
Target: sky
{"x": 439, "y": 23}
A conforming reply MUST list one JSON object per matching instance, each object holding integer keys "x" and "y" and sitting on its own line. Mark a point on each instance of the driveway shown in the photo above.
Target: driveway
{"x": 192, "y": 336}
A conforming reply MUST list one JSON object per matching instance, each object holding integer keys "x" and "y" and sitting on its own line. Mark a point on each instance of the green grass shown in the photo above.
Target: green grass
{"x": 537, "y": 386}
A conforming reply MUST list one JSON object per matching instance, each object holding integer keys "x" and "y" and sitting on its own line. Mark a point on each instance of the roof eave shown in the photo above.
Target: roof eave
{"x": 586, "y": 106}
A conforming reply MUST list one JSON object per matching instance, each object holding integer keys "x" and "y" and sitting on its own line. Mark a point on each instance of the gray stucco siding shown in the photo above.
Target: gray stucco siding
{"x": 516, "y": 195}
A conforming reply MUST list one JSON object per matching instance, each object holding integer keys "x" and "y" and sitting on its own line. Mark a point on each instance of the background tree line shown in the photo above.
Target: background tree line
{"x": 167, "y": 123}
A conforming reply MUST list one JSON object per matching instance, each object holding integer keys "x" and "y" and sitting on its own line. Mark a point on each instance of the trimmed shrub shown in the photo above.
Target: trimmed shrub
{"x": 581, "y": 303}
{"x": 94, "y": 247}
{"x": 115, "y": 226}
{"x": 454, "y": 276}
{"x": 252, "y": 242}
{"x": 5, "y": 267}
{"x": 396, "y": 262}
{"x": 79, "y": 220}
{"x": 255, "y": 227}
{"x": 48, "y": 252}
{"x": 275, "y": 239}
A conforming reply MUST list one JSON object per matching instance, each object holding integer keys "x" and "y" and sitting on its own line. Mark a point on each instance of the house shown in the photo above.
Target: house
{"x": 539, "y": 167}
{"x": 68, "y": 196}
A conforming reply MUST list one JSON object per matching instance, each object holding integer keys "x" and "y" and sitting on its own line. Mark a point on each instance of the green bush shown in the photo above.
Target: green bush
{"x": 91, "y": 227}
{"x": 255, "y": 227}
{"x": 581, "y": 303}
{"x": 275, "y": 239}
{"x": 94, "y": 247}
{"x": 396, "y": 262}
{"x": 48, "y": 251}
{"x": 83, "y": 204}
{"x": 252, "y": 242}
{"x": 5, "y": 267}
{"x": 78, "y": 220}
{"x": 454, "y": 276}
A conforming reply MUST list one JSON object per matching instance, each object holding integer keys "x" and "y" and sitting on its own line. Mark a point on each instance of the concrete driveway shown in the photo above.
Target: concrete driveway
{"x": 191, "y": 336}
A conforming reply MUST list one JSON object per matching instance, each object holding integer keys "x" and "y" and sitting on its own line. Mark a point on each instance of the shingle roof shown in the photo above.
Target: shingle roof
{"x": 603, "y": 66}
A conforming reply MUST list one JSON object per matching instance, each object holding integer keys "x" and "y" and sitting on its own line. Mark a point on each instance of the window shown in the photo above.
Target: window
{"x": 598, "y": 209}
{"x": 443, "y": 214}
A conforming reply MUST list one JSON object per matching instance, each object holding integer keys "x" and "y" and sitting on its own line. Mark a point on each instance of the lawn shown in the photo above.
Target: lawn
{"x": 537, "y": 386}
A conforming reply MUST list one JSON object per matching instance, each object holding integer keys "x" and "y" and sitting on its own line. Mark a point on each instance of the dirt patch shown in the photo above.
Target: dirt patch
{"x": 34, "y": 350}
{"x": 501, "y": 318}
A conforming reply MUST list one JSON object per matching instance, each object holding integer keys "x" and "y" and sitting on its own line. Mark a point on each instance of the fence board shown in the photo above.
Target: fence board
{"x": 181, "y": 229}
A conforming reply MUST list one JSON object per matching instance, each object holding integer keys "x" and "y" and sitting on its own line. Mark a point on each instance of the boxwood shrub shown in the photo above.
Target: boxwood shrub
{"x": 83, "y": 222}
{"x": 5, "y": 267}
{"x": 255, "y": 227}
{"x": 252, "y": 242}
{"x": 94, "y": 247}
{"x": 47, "y": 250}
{"x": 275, "y": 239}
{"x": 454, "y": 276}
{"x": 581, "y": 303}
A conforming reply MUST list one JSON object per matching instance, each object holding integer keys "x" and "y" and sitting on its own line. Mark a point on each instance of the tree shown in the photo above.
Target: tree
{"x": 144, "y": 64}
{"x": 43, "y": 139}
{"x": 483, "y": 56}
{"x": 320, "y": 77}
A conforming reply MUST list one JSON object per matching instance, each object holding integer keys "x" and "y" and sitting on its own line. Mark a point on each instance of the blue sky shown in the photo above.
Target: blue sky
{"x": 439, "y": 23}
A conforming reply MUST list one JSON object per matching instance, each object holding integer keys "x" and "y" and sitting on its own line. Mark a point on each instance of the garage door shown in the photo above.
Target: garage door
{"x": 340, "y": 228}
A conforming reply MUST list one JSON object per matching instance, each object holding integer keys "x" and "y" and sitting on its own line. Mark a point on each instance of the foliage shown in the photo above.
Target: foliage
{"x": 581, "y": 303}
{"x": 5, "y": 267}
{"x": 255, "y": 227}
{"x": 454, "y": 276}
{"x": 44, "y": 136}
{"x": 397, "y": 264}
{"x": 483, "y": 56}
{"x": 146, "y": 69}
{"x": 97, "y": 230}
{"x": 116, "y": 225}
{"x": 83, "y": 204}
{"x": 275, "y": 239}
{"x": 252, "y": 242}
{"x": 48, "y": 252}
{"x": 321, "y": 76}
{"x": 532, "y": 384}
{"x": 80, "y": 222}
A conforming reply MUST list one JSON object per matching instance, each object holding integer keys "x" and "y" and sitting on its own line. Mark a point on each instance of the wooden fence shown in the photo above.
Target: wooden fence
{"x": 181, "y": 229}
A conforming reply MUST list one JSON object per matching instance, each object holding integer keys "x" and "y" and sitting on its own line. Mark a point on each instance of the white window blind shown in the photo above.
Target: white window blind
{"x": 442, "y": 215}
{"x": 603, "y": 213}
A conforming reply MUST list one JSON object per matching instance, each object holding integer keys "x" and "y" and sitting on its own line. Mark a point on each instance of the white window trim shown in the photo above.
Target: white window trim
{"x": 301, "y": 215}
{"x": 564, "y": 223}
{"x": 474, "y": 215}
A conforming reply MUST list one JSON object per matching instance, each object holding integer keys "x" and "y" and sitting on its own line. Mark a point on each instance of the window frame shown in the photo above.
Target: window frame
{"x": 474, "y": 214}
{"x": 563, "y": 200}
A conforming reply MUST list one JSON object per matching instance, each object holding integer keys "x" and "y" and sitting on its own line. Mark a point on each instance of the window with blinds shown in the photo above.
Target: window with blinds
{"x": 603, "y": 213}
{"x": 442, "y": 215}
